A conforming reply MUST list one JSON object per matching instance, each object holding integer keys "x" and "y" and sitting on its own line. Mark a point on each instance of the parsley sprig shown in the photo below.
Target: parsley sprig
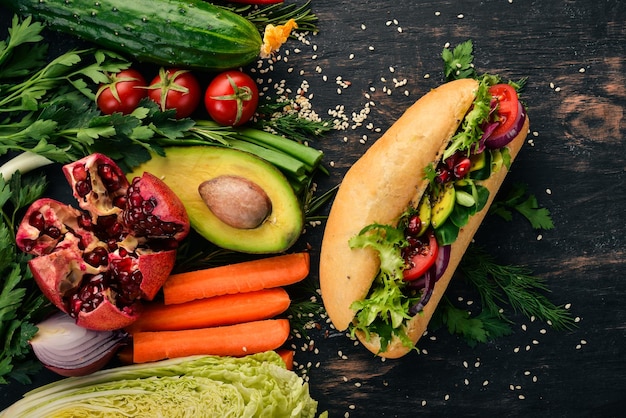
{"x": 21, "y": 302}
{"x": 459, "y": 61}
{"x": 519, "y": 200}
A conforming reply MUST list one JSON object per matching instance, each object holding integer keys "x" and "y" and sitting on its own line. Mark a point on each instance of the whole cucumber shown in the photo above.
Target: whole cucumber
{"x": 189, "y": 33}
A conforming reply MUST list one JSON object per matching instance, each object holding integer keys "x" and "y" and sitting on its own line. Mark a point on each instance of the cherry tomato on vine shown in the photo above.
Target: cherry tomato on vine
{"x": 176, "y": 89}
{"x": 422, "y": 257}
{"x": 509, "y": 109}
{"x": 231, "y": 98}
{"x": 122, "y": 93}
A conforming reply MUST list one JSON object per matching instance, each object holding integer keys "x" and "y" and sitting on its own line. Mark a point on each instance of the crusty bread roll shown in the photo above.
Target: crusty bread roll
{"x": 378, "y": 188}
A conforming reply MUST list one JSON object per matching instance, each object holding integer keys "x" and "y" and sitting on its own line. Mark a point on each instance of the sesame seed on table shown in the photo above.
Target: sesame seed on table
{"x": 369, "y": 61}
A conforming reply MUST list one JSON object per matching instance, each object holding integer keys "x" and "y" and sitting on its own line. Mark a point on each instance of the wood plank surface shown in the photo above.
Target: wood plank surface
{"x": 374, "y": 58}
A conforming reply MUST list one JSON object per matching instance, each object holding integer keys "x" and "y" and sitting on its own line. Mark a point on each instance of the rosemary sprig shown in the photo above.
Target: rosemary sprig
{"x": 292, "y": 125}
{"x": 278, "y": 14}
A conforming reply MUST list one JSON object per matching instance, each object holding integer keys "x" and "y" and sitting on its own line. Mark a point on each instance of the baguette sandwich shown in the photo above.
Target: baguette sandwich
{"x": 407, "y": 210}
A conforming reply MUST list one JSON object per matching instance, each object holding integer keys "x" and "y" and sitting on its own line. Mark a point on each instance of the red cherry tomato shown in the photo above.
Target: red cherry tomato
{"x": 176, "y": 89}
{"x": 122, "y": 93}
{"x": 231, "y": 98}
{"x": 422, "y": 257}
{"x": 508, "y": 108}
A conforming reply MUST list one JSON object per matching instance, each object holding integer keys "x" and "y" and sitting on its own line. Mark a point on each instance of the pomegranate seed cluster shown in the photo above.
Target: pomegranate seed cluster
{"x": 99, "y": 262}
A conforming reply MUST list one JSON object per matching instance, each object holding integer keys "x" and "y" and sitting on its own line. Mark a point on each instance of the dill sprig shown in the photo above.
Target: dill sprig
{"x": 500, "y": 286}
{"x": 503, "y": 290}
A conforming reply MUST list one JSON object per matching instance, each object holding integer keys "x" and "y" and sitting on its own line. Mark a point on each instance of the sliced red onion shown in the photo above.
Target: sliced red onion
{"x": 441, "y": 264}
{"x": 429, "y": 285}
{"x": 70, "y": 350}
{"x": 428, "y": 280}
{"x": 499, "y": 141}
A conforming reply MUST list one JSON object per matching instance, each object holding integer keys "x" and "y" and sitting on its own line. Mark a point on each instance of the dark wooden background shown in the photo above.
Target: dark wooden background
{"x": 574, "y": 55}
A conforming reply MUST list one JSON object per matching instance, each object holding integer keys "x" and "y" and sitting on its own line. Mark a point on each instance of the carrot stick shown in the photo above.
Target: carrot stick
{"x": 230, "y": 340}
{"x": 213, "y": 311}
{"x": 242, "y": 277}
{"x": 287, "y": 356}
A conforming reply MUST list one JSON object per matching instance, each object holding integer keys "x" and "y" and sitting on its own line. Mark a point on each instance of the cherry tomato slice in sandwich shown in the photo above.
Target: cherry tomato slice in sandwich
{"x": 508, "y": 108}
{"x": 422, "y": 258}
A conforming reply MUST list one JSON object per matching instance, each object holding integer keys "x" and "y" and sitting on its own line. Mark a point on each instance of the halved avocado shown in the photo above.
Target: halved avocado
{"x": 185, "y": 168}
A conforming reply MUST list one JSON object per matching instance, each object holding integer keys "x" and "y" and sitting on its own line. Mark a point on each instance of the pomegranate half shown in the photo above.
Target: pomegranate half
{"x": 98, "y": 262}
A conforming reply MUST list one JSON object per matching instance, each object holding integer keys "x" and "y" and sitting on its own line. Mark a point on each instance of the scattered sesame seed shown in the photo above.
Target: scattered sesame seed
{"x": 465, "y": 364}
{"x": 581, "y": 70}
{"x": 568, "y": 305}
{"x": 548, "y": 191}
{"x": 447, "y": 397}
{"x": 357, "y": 384}
{"x": 539, "y": 237}
{"x": 486, "y": 382}
{"x": 363, "y": 27}
{"x": 437, "y": 13}
{"x": 524, "y": 327}
{"x": 521, "y": 397}
{"x": 423, "y": 403}
{"x": 460, "y": 16}
{"x": 466, "y": 381}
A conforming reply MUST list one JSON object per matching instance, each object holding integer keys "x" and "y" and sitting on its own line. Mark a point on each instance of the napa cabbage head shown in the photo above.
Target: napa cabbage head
{"x": 258, "y": 385}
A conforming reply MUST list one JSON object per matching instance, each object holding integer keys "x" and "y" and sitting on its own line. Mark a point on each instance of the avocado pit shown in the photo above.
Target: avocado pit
{"x": 236, "y": 201}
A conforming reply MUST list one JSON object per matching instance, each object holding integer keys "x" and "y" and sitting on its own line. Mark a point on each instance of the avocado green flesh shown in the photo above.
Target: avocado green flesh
{"x": 443, "y": 206}
{"x": 424, "y": 211}
{"x": 185, "y": 168}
